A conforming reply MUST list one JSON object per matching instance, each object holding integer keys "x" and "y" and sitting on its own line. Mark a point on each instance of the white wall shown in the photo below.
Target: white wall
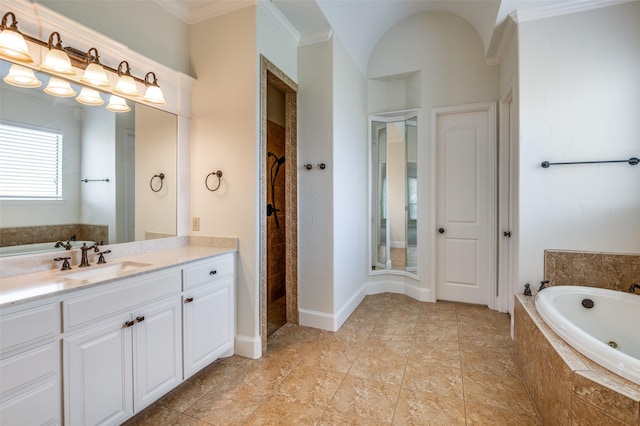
{"x": 223, "y": 137}
{"x": 315, "y": 186}
{"x": 350, "y": 180}
{"x": 442, "y": 56}
{"x": 579, "y": 100}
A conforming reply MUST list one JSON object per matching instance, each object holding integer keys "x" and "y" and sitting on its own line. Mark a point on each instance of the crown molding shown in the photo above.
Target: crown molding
{"x": 175, "y": 8}
{"x": 280, "y": 20}
{"x": 563, "y": 8}
{"x": 217, "y": 8}
{"x": 320, "y": 37}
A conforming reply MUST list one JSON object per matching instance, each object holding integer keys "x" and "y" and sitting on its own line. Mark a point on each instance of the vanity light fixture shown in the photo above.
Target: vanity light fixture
{"x": 94, "y": 74}
{"x": 59, "y": 87}
{"x": 118, "y": 104}
{"x": 126, "y": 85}
{"x": 153, "y": 94}
{"x": 12, "y": 44}
{"x": 57, "y": 59}
{"x": 62, "y": 60}
{"x": 89, "y": 96}
{"x": 22, "y": 77}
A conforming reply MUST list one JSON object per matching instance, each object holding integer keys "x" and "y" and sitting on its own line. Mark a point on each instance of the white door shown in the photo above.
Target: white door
{"x": 208, "y": 324}
{"x": 465, "y": 196}
{"x": 157, "y": 351}
{"x": 97, "y": 376}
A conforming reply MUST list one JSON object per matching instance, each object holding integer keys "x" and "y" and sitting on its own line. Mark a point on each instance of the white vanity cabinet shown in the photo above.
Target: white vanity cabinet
{"x": 208, "y": 312}
{"x": 122, "y": 348}
{"x": 30, "y": 365}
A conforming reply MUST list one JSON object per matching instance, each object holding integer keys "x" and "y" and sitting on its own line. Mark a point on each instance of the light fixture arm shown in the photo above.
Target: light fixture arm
{"x": 14, "y": 23}
{"x": 92, "y": 59}
{"x": 127, "y": 70}
{"x": 153, "y": 82}
{"x": 58, "y": 45}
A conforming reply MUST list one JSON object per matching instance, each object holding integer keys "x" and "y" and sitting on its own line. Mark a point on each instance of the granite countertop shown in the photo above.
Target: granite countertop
{"x": 28, "y": 287}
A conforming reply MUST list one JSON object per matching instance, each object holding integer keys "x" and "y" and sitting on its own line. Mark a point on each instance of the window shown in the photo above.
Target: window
{"x": 30, "y": 163}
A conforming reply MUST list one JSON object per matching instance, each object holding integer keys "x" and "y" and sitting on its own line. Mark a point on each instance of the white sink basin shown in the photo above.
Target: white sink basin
{"x": 105, "y": 272}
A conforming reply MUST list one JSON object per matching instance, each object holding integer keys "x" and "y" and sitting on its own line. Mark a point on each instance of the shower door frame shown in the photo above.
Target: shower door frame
{"x": 269, "y": 73}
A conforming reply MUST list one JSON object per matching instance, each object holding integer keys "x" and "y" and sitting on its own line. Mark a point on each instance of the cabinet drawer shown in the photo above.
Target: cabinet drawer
{"x": 39, "y": 406}
{"x": 119, "y": 297}
{"x": 207, "y": 270}
{"x": 29, "y": 367}
{"x": 29, "y": 326}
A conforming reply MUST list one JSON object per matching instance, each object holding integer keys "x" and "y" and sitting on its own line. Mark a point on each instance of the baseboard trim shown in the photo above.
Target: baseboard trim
{"x": 248, "y": 347}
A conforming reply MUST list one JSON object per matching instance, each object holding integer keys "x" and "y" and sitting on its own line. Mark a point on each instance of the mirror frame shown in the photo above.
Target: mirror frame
{"x": 390, "y": 117}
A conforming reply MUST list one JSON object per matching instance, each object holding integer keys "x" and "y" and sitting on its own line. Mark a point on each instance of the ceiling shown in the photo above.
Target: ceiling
{"x": 360, "y": 24}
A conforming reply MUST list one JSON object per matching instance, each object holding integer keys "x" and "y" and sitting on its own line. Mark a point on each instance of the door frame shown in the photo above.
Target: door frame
{"x": 269, "y": 73}
{"x": 490, "y": 108}
{"x": 507, "y": 185}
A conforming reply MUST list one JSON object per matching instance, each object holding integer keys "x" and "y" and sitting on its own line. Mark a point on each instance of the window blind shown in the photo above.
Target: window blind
{"x": 30, "y": 163}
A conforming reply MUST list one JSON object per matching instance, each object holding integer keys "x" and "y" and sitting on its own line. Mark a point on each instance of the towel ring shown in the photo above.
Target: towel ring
{"x": 218, "y": 174}
{"x": 161, "y": 177}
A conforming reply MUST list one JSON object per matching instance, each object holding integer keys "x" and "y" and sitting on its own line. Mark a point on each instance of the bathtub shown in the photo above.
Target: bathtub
{"x": 38, "y": 248}
{"x": 608, "y": 333}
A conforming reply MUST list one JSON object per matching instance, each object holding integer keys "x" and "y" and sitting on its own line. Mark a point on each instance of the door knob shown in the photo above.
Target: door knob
{"x": 441, "y": 230}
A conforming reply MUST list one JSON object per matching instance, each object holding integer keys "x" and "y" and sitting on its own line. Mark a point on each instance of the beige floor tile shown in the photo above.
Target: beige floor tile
{"x": 366, "y": 398}
{"x": 420, "y": 408}
{"x": 395, "y": 360}
{"x": 434, "y": 377}
{"x": 333, "y": 417}
{"x": 228, "y": 405}
{"x": 154, "y": 415}
{"x": 481, "y": 415}
{"x": 281, "y": 410}
{"x": 379, "y": 366}
{"x": 311, "y": 384}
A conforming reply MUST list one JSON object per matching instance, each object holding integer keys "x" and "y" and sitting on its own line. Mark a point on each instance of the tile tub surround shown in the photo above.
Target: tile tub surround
{"x": 394, "y": 361}
{"x": 567, "y": 388}
{"x": 615, "y": 271}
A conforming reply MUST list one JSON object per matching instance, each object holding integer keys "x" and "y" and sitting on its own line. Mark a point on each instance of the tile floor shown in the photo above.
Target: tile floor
{"x": 394, "y": 361}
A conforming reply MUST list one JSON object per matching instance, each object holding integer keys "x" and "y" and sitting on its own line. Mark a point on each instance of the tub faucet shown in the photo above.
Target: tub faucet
{"x": 85, "y": 258}
{"x": 543, "y": 285}
{"x": 67, "y": 245}
{"x": 633, "y": 287}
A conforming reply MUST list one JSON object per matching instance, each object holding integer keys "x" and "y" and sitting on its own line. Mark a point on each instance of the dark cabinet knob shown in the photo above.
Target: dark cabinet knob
{"x": 140, "y": 318}
{"x": 188, "y": 300}
{"x": 128, "y": 324}
{"x": 441, "y": 230}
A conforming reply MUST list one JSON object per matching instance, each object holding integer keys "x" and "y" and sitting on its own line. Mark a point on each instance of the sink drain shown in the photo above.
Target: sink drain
{"x": 613, "y": 344}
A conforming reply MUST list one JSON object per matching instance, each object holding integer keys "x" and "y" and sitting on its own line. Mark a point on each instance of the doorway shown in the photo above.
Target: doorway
{"x": 278, "y": 195}
{"x": 465, "y": 139}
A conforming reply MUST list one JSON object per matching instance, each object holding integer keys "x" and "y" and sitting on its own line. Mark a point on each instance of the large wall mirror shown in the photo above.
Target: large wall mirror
{"x": 394, "y": 192}
{"x": 113, "y": 174}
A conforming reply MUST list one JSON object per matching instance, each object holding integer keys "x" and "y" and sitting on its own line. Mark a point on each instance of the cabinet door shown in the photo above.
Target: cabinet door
{"x": 208, "y": 324}
{"x": 98, "y": 375}
{"x": 157, "y": 352}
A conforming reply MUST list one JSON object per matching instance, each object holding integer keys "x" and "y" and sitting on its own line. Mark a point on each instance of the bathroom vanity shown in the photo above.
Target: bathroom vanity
{"x": 97, "y": 345}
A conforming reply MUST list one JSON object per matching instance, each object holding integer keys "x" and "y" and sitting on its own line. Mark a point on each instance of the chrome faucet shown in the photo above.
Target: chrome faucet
{"x": 633, "y": 287}
{"x": 85, "y": 258}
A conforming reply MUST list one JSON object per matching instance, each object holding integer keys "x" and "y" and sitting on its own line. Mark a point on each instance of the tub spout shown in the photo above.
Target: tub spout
{"x": 633, "y": 287}
{"x": 543, "y": 285}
